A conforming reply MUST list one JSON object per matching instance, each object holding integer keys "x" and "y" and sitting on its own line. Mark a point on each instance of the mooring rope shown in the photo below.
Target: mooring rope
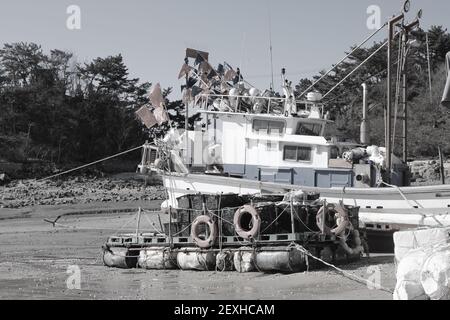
{"x": 89, "y": 164}
{"x": 343, "y": 272}
{"x": 408, "y": 201}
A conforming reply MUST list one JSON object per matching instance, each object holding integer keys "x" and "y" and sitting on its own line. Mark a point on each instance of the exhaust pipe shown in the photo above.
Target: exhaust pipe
{"x": 364, "y": 136}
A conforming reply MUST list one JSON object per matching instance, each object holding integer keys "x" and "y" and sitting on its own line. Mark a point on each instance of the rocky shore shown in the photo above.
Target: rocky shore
{"x": 79, "y": 190}
{"x": 427, "y": 172}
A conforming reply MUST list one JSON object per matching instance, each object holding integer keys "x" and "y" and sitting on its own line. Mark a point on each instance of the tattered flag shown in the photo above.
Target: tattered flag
{"x": 160, "y": 115}
{"x": 193, "y": 53}
{"x": 220, "y": 69}
{"x": 184, "y": 72}
{"x": 199, "y": 59}
{"x": 196, "y": 90}
{"x": 238, "y": 77}
{"x": 204, "y": 67}
{"x": 212, "y": 73}
{"x": 146, "y": 117}
{"x": 156, "y": 97}
{"x": 229, "y": 75}
{"x": 191, "y": 82}
{"x": 187, "y": 96}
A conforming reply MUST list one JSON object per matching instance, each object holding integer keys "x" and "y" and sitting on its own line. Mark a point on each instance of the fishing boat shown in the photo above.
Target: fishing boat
{"x": 251, "y": 141}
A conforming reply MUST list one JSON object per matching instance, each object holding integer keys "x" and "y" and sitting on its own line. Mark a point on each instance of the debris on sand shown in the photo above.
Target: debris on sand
{"x": 24, "y": 193}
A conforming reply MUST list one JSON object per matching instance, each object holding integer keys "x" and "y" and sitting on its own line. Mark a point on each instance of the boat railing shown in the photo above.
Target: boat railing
{"x": 307, "y": 105}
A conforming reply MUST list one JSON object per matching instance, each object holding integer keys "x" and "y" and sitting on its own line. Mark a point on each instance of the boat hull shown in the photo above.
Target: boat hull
{"x": 381, "y": 209}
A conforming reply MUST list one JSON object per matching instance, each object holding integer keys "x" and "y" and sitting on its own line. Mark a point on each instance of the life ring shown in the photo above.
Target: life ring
{"x": 342, "y": 221}
{"x": 209, "y": 241}
{"x": 242, "y": 231}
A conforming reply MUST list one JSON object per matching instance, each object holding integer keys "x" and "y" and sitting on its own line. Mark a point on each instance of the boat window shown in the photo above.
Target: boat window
{"x": 260, "y": 126}
{"x": 294, "y": 153}
{"x": 303, "y": 154}
{"x": 268, "y": 127}
{"x": 309, "y": 129}
{"x": 290, "y": 153}
{"x": 276, "y": 127}
{"x": 334, "y": 152}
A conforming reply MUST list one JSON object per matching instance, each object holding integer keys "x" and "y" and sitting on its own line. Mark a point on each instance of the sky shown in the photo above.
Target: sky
{"x": 307, "y": 36}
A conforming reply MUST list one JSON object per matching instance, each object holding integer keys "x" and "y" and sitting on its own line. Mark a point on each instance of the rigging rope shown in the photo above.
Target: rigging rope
{"x": 408, "y": 201}
{"x": 354, "y": 70}
{"x": 400, "y": 68}
{"x": 340, "y": 62}
{"x": 89, "y": 164}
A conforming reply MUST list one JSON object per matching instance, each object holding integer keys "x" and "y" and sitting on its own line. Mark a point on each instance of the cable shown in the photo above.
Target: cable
{"x": 407, "y": 200}
{"x": 335, "y": 66}
{"x": 343, "y": 272}
{"x": 354, "y": 70}
{"x": 89, "y": 164}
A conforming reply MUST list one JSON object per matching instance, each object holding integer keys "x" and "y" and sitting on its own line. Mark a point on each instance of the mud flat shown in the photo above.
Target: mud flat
{"x": 35, "y": 256}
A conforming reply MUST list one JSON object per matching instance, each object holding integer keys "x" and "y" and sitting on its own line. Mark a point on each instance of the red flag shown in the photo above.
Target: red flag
{"x": 146, "y": 117}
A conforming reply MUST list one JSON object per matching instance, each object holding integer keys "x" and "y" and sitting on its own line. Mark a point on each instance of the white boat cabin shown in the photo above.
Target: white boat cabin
{"x": 287, "y": 148}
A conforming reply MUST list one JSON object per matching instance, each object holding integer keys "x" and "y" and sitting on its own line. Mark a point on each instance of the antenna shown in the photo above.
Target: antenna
{"x": 270, "y": 46}
{"x": 244, "y": 35}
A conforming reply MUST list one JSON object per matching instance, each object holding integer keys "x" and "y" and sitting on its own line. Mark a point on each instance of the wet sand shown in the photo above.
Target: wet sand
{"x": 35, "y": 256}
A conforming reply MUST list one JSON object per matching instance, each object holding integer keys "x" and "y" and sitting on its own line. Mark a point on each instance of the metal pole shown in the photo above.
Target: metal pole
{"x": 325, "y": 213}
{"x": 170, "y": 227}
{"x": 388, "y": 113}
{"x": 441, "y": 166}
{"x": 408, "y": 29}
{"x": 186, "y": 124}
{"x": 271, "y": 53}
{"x": 405, "y": 114}
{"x": 138, "y": 222}
{"x": 292, "y": 216}
{"x": 429, "y": 67}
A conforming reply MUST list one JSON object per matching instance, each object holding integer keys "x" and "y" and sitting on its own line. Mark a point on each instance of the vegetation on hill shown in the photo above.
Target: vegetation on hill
{"x": 55, "y": 109}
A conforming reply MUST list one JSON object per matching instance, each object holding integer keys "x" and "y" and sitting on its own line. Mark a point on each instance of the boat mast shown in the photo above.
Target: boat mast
{"x": 408, "y": 29}
{"x": 186, "y": 119}
{"x": 271, "y": 52}
{"x": 388, "y": 111}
